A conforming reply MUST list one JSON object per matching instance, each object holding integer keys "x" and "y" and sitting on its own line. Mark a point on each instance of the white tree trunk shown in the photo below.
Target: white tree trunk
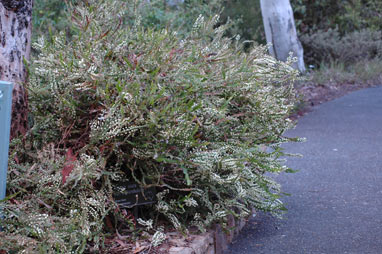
{"x": 280, "y": 31}
{"x": 15, "y": 46}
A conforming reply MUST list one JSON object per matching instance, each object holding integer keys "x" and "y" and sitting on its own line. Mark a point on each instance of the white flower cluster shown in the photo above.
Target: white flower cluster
{"x": 148, "y": 223}
{"x": 38, "y": 223}
{"x": 111, "y": 125}
{"x": 198, "y": 23}
{"x": 190, "y": 202}
{"x": 174, "y": 221}
{"x": 158, "y": 238}
{"x": 162, "y": 207}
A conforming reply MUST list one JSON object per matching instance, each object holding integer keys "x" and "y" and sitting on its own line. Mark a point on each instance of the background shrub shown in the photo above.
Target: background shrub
{"x": 180, "y": 18}
{"x": 117, "y": 102}
{"x": 51, "y": 15}
{"x": 346, "y": 16}
{"x": 328, "y": 46}
{"x": 341, "y": 31}
{"x": 247, "y": 18}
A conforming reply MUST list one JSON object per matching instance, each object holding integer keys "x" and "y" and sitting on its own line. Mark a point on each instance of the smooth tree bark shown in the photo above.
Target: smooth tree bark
{"x": 15, "y": 46}
{"x": 280, "y": 31}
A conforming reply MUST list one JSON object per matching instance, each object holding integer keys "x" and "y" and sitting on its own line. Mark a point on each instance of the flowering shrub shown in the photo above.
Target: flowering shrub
{"x": 190, "y": 117}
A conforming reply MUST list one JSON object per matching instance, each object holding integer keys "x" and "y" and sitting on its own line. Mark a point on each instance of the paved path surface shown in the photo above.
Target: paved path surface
{"x": 336, "y": 202}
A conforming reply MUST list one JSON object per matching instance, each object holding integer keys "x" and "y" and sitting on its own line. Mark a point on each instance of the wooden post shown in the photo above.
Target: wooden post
{"x": 5, "y": 126}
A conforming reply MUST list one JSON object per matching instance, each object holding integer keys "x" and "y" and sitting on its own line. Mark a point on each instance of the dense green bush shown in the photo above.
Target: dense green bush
{"x": 158, "y": 14}
{"x": 346, "y": 16}
{"x": 51, "y": 15}
{"x": 190, "y": 117}
{"x": 341, "y": 31}
{"x": 328, "y": 46}
{"x": 48, "y": 13}
{"x": 247, "y": 18}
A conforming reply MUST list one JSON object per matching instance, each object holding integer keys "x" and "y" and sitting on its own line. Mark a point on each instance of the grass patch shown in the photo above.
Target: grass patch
{"x": 365, "y": 71}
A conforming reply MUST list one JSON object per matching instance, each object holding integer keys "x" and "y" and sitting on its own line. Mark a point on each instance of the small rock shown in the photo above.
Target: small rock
{"x": 200, "y": 244}
{"x": 181, "y": 250}
{"x": 177, "y": 242}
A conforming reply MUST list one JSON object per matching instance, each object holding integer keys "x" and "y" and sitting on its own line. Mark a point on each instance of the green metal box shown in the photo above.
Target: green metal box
{"x": 5, "y": 126}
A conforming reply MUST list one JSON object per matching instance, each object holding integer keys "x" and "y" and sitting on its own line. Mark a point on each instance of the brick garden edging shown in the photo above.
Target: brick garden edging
{"x": 214, "y": 241}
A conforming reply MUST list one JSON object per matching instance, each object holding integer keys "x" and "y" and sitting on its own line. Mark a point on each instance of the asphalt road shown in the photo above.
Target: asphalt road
{"x": 336, "y": 202}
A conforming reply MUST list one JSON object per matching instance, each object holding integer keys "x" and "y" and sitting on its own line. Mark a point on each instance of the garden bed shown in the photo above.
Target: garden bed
{"x": 215, "y": 241}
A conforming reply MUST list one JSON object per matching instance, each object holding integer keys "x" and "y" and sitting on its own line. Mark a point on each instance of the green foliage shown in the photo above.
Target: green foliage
{"x": 190, "y": 117}
{"x": 361, "y": 14}
{"x": 328, "y": 46}
{"x": 342, "y": 31}
{"x": 346, "y": 16}
{"x": 158, "y": 14}
{"x": 315, "y": 15}
{"x": 248, "y": 22}
{"x": 49, "y": 15}
{"x": 44, "y": 215}
{"x": 365, "y": 72}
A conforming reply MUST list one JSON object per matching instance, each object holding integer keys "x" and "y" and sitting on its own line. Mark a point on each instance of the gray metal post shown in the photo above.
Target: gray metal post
{"x": 5, "y": 126}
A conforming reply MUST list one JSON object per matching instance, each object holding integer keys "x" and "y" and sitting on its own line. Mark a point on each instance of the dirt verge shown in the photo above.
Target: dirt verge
{"x": 313, "y": 94}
